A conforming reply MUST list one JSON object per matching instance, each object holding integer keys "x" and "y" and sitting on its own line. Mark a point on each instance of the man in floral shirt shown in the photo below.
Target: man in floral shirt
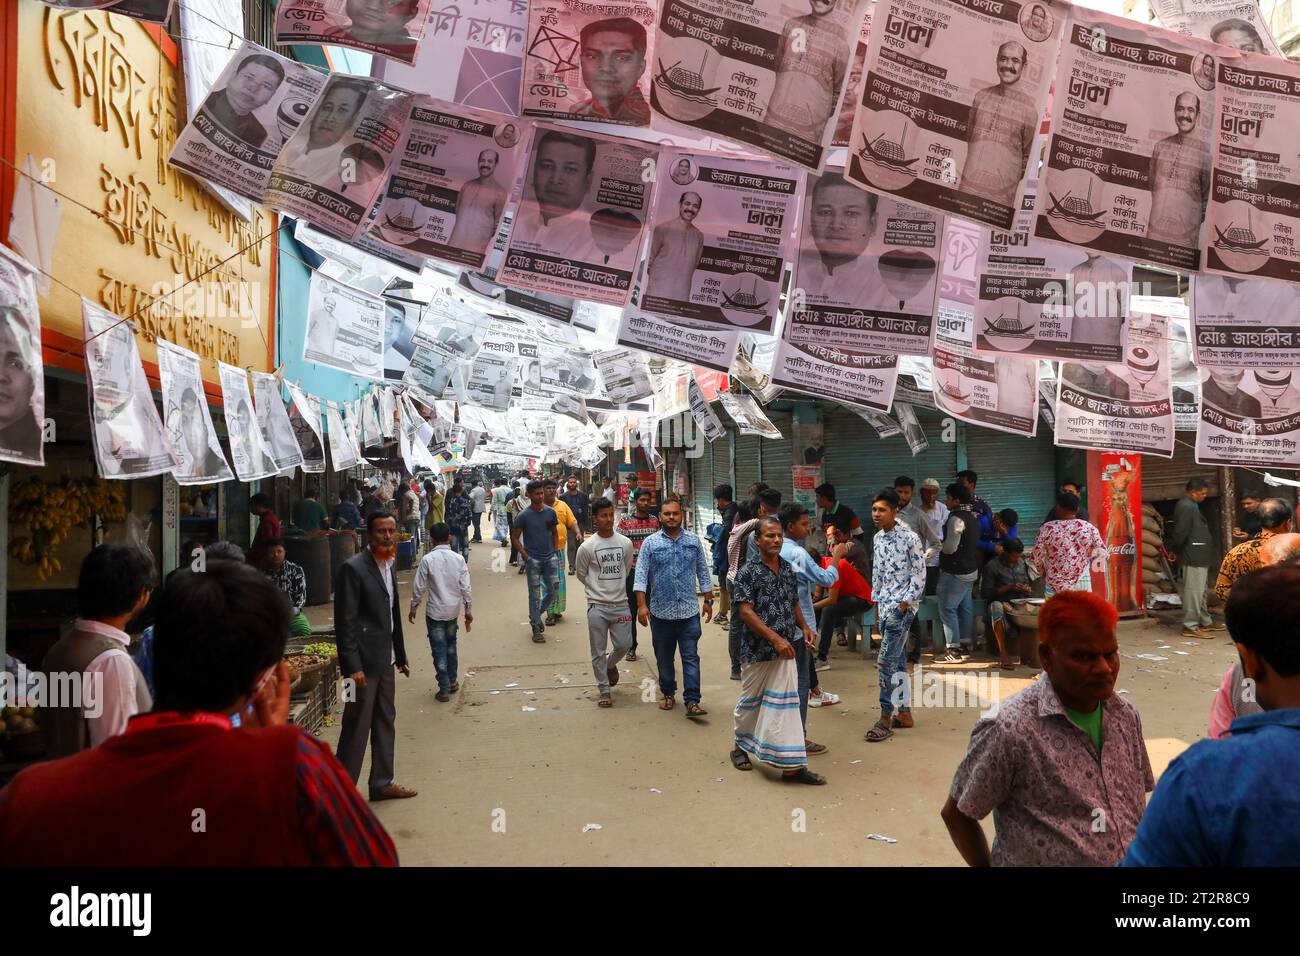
{"x": 897, "y": 584}
{"x": 1274, "y": 519}
{"x": 290, "y": 579}
{"x": 1067, "y": 548}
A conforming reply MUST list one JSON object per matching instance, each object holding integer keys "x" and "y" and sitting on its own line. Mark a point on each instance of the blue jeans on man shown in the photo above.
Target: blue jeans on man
{"x": 442, "y": 641}
{"x": 895, "y": 686}
{"x": 669, "y": 637}
{"x": 543, "y": 583}
{"x": 956, "y": 609}
{"x": 460, "y": 541}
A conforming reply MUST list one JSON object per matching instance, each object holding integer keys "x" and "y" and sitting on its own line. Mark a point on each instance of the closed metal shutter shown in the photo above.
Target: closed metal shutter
{"x": 721, "y": 450}
{"x": 702, "y": 490}
{"x": 1015, "y": 472}
{"x": 859, "y": 463}
{"x": 747, "y": 463}
{"x": 776, "y": 453}
{"x": 1165, "y": 479}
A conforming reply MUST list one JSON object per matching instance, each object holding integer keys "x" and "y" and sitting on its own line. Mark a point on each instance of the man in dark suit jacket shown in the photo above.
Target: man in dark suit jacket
{"x": 368, "y": 624}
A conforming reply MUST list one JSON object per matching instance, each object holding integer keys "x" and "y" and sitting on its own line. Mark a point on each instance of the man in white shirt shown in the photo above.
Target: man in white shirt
{"x": 836, "y": 270}
{"x": 478, "y": 501}
{"x": 318, "y": 157}
{"x": 113, "y": 586}
{"x": 551, "y": 220}
{"x": 444, "y": 576}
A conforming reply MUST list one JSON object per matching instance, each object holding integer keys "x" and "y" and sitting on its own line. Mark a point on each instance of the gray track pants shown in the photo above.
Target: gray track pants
{"x": 606, "y": 621}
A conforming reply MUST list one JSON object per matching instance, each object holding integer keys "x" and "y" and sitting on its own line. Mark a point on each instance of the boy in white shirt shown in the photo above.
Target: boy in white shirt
{"x": 444, "y": 575}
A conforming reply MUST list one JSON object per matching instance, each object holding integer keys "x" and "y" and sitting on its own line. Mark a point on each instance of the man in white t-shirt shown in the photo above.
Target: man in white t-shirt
{"x": 478, "y": 499}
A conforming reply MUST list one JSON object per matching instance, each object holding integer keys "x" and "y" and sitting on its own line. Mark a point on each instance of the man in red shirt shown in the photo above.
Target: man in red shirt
{"x": 183, "y": 786}
{"x": 268, "y": 528}
{"x": 850, "y": 596}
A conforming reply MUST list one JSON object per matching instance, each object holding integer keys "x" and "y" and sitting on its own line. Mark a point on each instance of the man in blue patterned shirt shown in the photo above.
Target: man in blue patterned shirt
{"x": 670, "y": 563}
{"x": 897, "y": 583}
{"x": 290, "y": 579}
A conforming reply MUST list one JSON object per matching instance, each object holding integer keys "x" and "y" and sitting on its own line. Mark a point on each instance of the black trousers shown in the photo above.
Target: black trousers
{"x": 832, "y": 615}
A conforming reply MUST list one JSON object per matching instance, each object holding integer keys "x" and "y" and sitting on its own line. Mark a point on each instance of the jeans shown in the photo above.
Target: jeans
{"x": 543, "y": 581}
{"x": 631, "y": 603}
{"x": 832, "y": 615}
{"x": 571, "y": 546}
{"x": 917, "y": 636}
{"x": 734, "y": 629}
{"x": 442, "y": 641}
{"x": 460, "y": 542}
{"x": 668, "y": 638}
{"x": 412, "y": 527}
{"x": 1194, "y": 612}
{"x": 895, "y": 686}
{"x": 478, "y": 526}
{"x": 803, "y": 661}
{"x": 956, "y": 607}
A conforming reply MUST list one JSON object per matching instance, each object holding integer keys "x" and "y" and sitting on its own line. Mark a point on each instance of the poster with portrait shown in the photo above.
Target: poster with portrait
{"x": 22, "y": 401}
{"x": 560, "y": 369}
{"x": 391, "y": 29}
{"x": 1184, "y": 376}
{"x": 951, "y": 103}
{"x": 447, "y": 190}
{"x": 1239, "y": 24}
{"x": 345, "y": 328}
{"x": 254, "y": 107}
{"x": 1246, "y": 323}
{"x": 150, "y": 11}
{"x": 523, "y": 302}
{"x": 126, "y": 432}
{"x": 402, "y": 316}
{"x": 1254, "y": 210}
{"x": 711, "y": 348}
{"x": 853, "y": 91}
{"x": 344, "y": 453}
{"x": 1124, "y": 406}
{"x": 493, "y": 376}
{"x": 768, "y": 74}
{"x": 582, "y": 215}
{"x": 625, "y": 375}
{"x": 1127, "y": 170}
{"x": 885, "y": 426}
{"x": 186, "y": 418}
{"x": 305, "y": 419}
{"x": 719, "y": 239}
{"x": 867, "y": 273}
{"x": 431, "y": 373}
{"x": 865, "y": 379}
{"x": 1250, "y": 418}
{"x": 451, "y": 328}
{"x": 331, "y": 169}
{"x": 248, "y": 454}
{"x": 588, "y": 61}
{"x": 273, "y": 422}
{"x": 702, "y": 412}
{"x": 749, "y": 418}
{"x": 912, "y": 430}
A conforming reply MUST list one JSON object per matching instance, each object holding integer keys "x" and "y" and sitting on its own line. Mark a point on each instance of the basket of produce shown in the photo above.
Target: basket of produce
{"x": 306, "y": 671}
{"x": 20, "y": 736}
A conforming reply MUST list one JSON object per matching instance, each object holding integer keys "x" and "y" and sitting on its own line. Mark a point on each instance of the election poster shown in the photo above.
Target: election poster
{"x": 719, "y": 239}
{"x": 712, "y": 348}
{"x": 853, "y": 92}
{"x": 1249, "y": 417}
{"x": 127, "y": 434}
{"x": 431, "y": 372}
{"x": 885, "y": 426}
{"x": 447, "y": 191}
{"x": 702, "y": 412}
{"x": 345, "y": 328}
{"x": 578, "y": 230}
{"x": 867, "y": 272}
{"x": 560, "y": 369}
{"x": 524, "y": 302}
{"x": 254, "y": 107}
{"x": 952, "y": 100}
{"x": 403, "y": 314}
{"x": 22, "y": 413}
{"x": 855, "y": 378}
{"x": 451, "y": 328}
{"x": 1239, "y": 24}
{"x": 332, "y": 168}
{"x": 344, "y": 452}
{"x": 273, "y": 422}
{"x": 749, "y": 418}
{"x": 1246, "y": 323}
{"x": 1184, "y": 376}
{"x": 1124, "y": 406}
{"x": 247, "y": 453}
{"x": 625, "y": 375}
{"x": 305, "y": 419}
{"x": 390, "y": 28}
{"x": 588, "y": 61}
{"x": 1127, "y": 171}
{"x": 912, "y": 430}
{"x": 186, "y": 419}
{"x": 1254, "y": 208}
{"x": 769, "y": 74}
{"x": 493, "y": 376}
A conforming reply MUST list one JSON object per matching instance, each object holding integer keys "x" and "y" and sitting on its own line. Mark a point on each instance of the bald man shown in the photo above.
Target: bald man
{"x": 675, "y": 251}
{"x": 1180, "y": 178}
{"x": 1002, "y": 127}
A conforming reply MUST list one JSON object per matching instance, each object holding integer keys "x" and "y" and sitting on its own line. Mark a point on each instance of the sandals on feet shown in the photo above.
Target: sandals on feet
{"x": 804, "y": 775}
{"x": 667, "y": 703}
{"x": 878, "y": 733}
{"x": 814, "y": 749}
{"x": 695, "y": 710}
{"x": 605, "y": 701}
{"x": 740, "y": 760}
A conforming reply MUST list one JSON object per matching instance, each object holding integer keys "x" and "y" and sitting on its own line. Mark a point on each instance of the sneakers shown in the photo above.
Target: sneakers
{"x": 537, "y": 636}
{"x": 735, "y": 675}
{"x": 824, "y": 699}
{"x": 823, "y": 665}
{"x": 952, "y": 656}
{"x": 721, "y": 620}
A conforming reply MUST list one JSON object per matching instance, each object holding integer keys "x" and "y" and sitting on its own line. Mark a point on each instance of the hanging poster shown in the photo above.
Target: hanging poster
{"x": 388, "y": 28}
{"x": 371, "y": 434}
{"x": 712, "y": 348}
{"x": 749, "y": 418}
{"x": 480, "y": 50}
{"x": 720, "y": 239}
{"x": 305, "y": 418}
{"x": 127, "y": 434}
{"x": 805, "y": 479}
{"x": 702, "y": 412}
{"x": 493, "y": 378}
{"x": 1120, "y": 407}
{"x": 1246, "y": 323}
{"x": 430, "y": 372}
{"x": 1127, "y": 171}
{"x": 581, "y": 216}
{"x": 273, "y": 422}
{"x": 560, "y": 369}
{"x": 451, "y": 328}
{"x": 344, "y": 452}
{"x": 446, "y": 193}
{"x": 867, "y": 273}
{"x": 625, "y": 375}
{"x": 344, "y": 328}
{"x": 247, "y": 453}
{"x": 952, "y": 100}
{"x": 1239, "y": 24}
{"x": 912, "y": 430}
{"x": 768, "y": 74}
{"x": 588, "y": 61}
{"x": 557, "y": 308}
{"x": 151, "y": 11}
{"x": 22, "y": 400}
{"x": 186, "y": 419}
{"x": 853, "y": 91}
{"x": 1249, "y": 418}
{"x": 331, "y": 170}
{"x": 402, "y": 317}
{"x": 254, "y": 107}
{"x": 854, "y": 378}
{"x": 884, "y": 425}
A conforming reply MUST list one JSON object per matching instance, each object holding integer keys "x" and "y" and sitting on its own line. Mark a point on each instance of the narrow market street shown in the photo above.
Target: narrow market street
{"x": 521, "y": 760}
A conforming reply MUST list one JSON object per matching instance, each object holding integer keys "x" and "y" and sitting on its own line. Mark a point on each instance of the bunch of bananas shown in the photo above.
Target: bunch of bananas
{"x": 50, "y": 510}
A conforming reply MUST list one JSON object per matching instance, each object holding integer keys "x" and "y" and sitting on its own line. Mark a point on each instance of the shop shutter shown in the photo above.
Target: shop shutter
{"x": 721, "y": 451}
{"x": 1015, "y": 472}
{"x": 1165, "y": 479}
{"x": 702, "y": 490}
{"x": 747, "y": 462}
{"x": 859, "y": 463}
{"x": 776, "y": 455}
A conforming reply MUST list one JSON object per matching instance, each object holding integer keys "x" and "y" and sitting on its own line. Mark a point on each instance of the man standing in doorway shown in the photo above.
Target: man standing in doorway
{"x": 636, "y": 527}
{"x": 959, "y": 566}
{"x": 603, "y": 564}
{"x": 897, "y": 583}
{"x": 1191, "y": 544}
{"x": 670, "y": 561}
{"x": 368, "y": 625}
{"x": 478, "y": 501}
{"x": 537, "y": 539}
{"x": 567, "y": 526}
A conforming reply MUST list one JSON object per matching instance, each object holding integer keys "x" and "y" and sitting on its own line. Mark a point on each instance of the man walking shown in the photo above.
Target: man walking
{"x": 603, "y": 564}
{"x": 742, "y": 547}
{"x": 671, "y": 560}
{"x": 796, "y": 524}
{"x": 478, "y": 501}
{"x": 460, "y": 513}
{"x": 765, "y": 595}
{"x": 579, "y": 503}
{"x": 897, "y": 584}
{"x": 497, "y": 504}
{"x": 444, "y": 576}
{"x": 536, "y": 536}
{"x": 959, "y": 564}
{"x": 727, "y": 508}
{"x": 368, "y": 626}
{"x": 567, "y": 526}
{"x": 636, "y": 527}
{"x": 1067, "y": 549}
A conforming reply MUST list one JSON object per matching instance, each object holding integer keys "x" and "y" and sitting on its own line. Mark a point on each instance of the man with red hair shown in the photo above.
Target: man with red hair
{"x": 1062, "y": 763}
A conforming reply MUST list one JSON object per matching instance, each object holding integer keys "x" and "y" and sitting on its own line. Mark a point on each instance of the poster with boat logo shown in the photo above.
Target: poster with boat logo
{"x": 868, "y": 271}
{"x": 1254, "y": 208}
{"x": 770, "y": 74}
{"x": 952, "y": 101}
{"x": 1233, "y": 23}
{"x": 1249, "y": 417}
{"x": 1127, "y": 170}
{"x": 448, "y": 189}
{"x": 720, "y": 239}
{"x": 1124, "y": 406}
{"x": 1246, "y": 323}
{"x": 864, "y": 379}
